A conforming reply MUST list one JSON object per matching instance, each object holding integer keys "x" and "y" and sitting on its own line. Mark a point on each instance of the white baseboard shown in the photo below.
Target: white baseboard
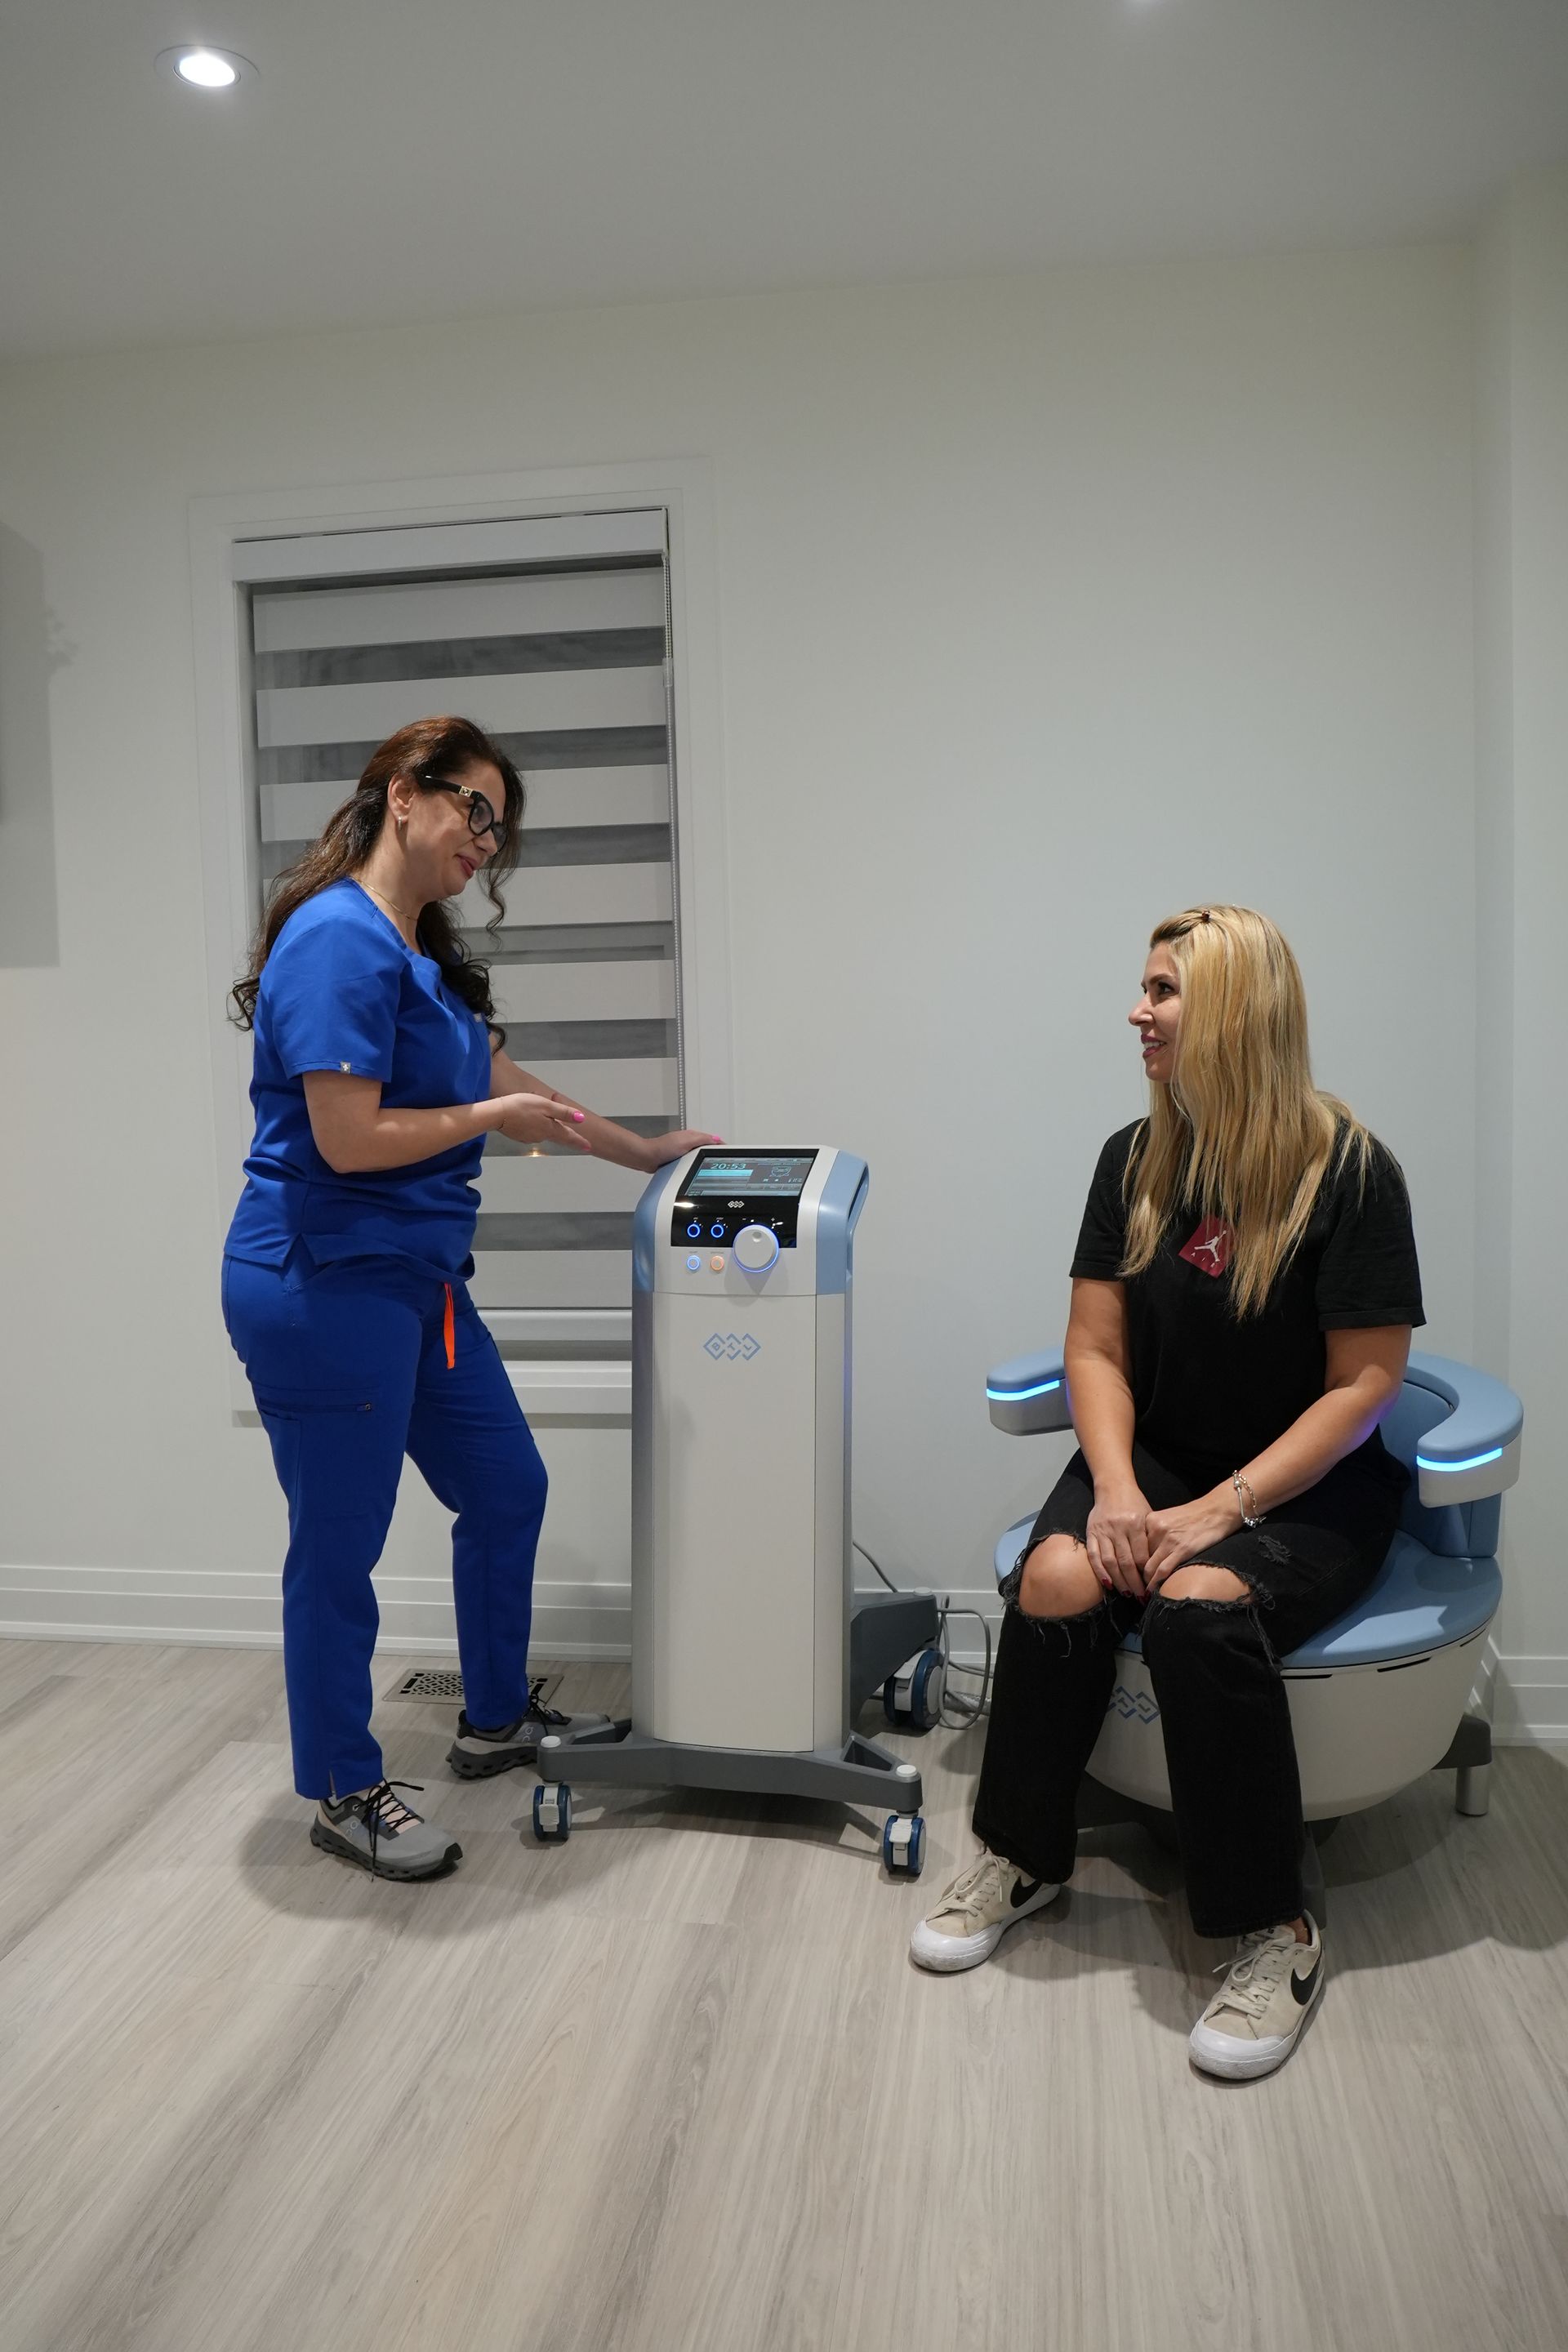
{"x": 234, "y": 1609}
{"x": 1527, "y": 1697}
{"x": 241, "y": 1610}
{"x": 1531, "y": 1702}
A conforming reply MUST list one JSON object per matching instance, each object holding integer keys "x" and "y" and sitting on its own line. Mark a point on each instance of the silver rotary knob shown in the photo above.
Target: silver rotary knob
{"x": 757, "y": 1247}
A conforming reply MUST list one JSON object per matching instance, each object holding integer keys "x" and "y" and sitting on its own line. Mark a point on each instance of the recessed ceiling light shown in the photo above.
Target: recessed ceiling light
{"x": 207, "y": 70}
{"x": 200, "y": 67}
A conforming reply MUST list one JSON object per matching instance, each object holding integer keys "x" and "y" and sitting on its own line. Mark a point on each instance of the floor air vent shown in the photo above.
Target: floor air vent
{"x": 431, "y": 1682}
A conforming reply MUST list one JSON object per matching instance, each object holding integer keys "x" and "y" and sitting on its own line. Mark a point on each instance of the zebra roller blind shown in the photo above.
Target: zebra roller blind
{"x": 565, "y": 662}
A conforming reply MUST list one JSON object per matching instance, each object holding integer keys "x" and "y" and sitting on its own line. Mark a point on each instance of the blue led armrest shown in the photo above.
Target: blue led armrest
{"x": 1029, "y": 1394}
{"x": 1472, "y": 1449}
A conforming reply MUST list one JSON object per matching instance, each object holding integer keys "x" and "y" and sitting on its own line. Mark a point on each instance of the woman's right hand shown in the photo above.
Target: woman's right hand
{"x": 540, "y": 1118}
{"x": 1116, "y": 1539}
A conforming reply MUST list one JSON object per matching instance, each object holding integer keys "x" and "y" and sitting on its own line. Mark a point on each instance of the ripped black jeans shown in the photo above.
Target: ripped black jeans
{"x": 1229, "y": 1752}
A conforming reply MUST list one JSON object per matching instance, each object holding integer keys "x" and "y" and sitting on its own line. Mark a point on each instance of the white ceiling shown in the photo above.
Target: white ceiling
{"x": 414, "y": 159}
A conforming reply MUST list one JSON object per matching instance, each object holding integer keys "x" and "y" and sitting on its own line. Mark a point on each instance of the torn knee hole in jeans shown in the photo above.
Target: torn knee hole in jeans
{"x": 1163, "y": 1607}
{"x": 1250, "y": 1597}
{"x": 1164, "y": 1610}
{"x": 1045, "y": 1627}
{"x": 1244, "y": 1607}
{"x": 1013, "y": 1581}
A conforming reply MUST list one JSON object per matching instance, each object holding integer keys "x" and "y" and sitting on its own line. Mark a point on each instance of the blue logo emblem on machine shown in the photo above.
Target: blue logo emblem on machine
{"x": 733, "y": 1348}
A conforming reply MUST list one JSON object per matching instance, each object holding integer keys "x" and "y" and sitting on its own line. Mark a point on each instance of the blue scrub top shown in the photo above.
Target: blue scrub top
{"x": 343, "y": 990}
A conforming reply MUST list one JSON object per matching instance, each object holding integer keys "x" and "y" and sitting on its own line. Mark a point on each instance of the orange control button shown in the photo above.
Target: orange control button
{"x": 717, "y": 1263}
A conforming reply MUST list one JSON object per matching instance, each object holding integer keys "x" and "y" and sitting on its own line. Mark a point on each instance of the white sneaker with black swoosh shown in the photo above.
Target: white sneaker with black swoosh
{"x": 983, "y": 1901}
{"x": 1250, "y": 2025}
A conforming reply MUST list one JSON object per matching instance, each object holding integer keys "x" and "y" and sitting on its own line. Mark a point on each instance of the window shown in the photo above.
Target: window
{"x": 553, "y": 635}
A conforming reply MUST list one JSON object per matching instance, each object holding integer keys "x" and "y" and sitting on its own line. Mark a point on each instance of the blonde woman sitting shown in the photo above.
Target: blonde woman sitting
{"x": 1243, "y": 1295}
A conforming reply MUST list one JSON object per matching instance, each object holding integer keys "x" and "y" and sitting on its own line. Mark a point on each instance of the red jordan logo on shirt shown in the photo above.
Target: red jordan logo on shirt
{"x": 1210, "y": 1249}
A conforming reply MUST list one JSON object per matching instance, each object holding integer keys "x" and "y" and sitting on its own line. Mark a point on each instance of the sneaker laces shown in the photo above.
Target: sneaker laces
{"x": 534, "y": 1711}
{"x": 536, "y": 1708}
{"x": 971, "y": 1893}
{"x": 381, "y": 1811}
{"x": 1250, "y": 1982}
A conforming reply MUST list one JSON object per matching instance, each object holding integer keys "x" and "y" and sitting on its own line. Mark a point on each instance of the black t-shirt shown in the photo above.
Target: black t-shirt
{"x": 1210, "y": 1387}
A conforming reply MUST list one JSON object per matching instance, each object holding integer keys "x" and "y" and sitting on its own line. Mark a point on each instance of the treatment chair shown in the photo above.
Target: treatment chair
{"x": 1380, "y": 1697}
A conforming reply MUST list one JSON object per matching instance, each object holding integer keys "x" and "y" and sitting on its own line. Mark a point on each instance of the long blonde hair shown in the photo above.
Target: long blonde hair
{"x": 1239, "y": 1131}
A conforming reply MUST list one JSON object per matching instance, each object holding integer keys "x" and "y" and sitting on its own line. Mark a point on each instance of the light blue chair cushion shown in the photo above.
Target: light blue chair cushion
{"x": 1418, "y": 1601}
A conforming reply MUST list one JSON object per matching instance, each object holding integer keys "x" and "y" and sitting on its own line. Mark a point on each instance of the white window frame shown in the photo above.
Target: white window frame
{"x": 225, "y": 563}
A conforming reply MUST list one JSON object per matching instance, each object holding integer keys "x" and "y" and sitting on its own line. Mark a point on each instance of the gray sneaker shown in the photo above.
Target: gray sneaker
{"x": 383, "y": 1836}
{"x": 474, "y": 1755}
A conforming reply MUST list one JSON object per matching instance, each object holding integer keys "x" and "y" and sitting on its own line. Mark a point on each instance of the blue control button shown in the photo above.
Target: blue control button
{"x": 694, "y": 1233}
{"x": 694, "y": 1265}
{"x": 716, "y": 1233}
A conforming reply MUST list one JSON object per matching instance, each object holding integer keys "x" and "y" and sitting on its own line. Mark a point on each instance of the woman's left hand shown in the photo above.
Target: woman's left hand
{"x": 663, "y": 1148}
{"x": 1176, "y": 1536}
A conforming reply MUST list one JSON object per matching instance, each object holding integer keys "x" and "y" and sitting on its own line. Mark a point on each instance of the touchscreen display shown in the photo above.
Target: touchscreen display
{"x": 727, "y": 1189}
{"x": 780, "y": 1174}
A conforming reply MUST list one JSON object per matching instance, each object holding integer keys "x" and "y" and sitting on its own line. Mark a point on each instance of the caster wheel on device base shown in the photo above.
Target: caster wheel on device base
{"x": 903, "y": 1845}
{"x": 911, "y": 1699}
{"x": 552, "y": 1813}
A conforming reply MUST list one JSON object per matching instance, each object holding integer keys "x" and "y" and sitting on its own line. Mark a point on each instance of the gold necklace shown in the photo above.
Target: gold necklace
{"x": 395, "y": 911}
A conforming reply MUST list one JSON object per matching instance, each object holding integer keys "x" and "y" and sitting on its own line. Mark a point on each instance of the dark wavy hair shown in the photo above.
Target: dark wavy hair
{"x": 427, "y": 748}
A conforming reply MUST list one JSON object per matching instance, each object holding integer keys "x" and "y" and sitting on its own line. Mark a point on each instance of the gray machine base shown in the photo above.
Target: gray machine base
{"x": 885, "y": 1628}
{"x": 857, "y": 1771}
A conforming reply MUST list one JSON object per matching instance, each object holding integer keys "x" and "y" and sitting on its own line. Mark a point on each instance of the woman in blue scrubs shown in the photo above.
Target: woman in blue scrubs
{"x": 377, "y": 1076}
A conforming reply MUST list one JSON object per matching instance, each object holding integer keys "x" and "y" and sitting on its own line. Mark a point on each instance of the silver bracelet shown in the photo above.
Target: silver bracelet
{"x": 1249, "y": 1519}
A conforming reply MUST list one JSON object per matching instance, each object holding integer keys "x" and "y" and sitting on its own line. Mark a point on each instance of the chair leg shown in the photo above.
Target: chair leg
{"x": 1314, "y": 1892}
{"x": 1470, "y": 1758}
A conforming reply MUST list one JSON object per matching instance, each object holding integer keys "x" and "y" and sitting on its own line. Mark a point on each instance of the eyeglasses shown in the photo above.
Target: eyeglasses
{"x": 482, "y": 817}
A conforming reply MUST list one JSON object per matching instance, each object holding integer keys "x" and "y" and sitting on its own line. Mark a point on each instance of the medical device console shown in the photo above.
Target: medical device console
{"x": 751, "y": 1654}
{"x": 729, "y": 1191}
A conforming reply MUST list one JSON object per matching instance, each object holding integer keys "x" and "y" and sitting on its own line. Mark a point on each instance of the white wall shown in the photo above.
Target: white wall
{"x": 1522, "y": 862}
{"x": 1046, "y": 605}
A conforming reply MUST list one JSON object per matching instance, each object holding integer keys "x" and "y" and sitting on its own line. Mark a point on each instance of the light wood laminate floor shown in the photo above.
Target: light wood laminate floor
{"x": 675, "y": 2087}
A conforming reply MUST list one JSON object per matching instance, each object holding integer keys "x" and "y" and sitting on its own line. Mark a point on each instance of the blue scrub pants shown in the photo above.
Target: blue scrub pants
{"x": 349, "y": 1362}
